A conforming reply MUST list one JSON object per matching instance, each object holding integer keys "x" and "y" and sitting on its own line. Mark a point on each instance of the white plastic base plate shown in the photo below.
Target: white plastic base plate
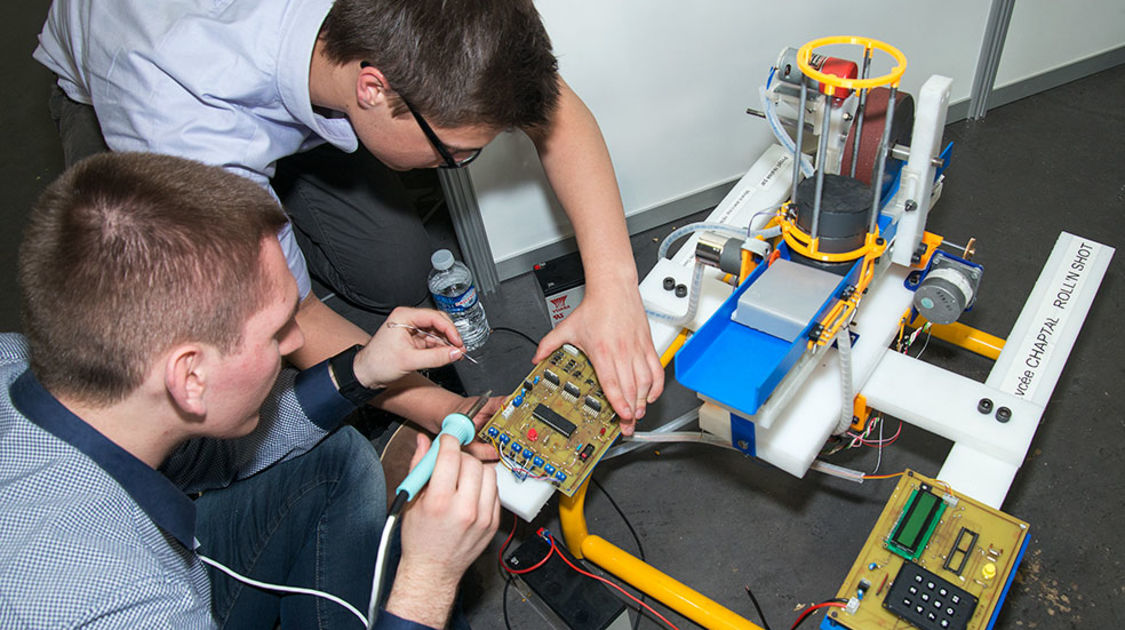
{"x": 523, "y": 498}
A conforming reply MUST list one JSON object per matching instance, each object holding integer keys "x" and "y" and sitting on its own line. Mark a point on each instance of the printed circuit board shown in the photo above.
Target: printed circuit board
{"x": 557, "y": 424}
{"x": 936, "y": 559}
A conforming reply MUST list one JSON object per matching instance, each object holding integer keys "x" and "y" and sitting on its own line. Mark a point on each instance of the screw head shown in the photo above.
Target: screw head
{"x": 985, "y": 406}
{"x": 1003, "y": 414}
{"x": 743, "y": 444}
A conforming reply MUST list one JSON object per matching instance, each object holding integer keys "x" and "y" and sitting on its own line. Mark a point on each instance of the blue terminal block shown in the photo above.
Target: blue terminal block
{"x": 738, "y": 366}
{"x": 493, "y": 432}
{"x": 516, "y": 448}
{"x": 549, "y": 469}
{"x": 560, "y": 476}
{"x": 538, "y": 461}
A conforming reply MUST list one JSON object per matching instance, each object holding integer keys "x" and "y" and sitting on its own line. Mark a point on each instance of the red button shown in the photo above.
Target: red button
{"x": 532, "y": 434}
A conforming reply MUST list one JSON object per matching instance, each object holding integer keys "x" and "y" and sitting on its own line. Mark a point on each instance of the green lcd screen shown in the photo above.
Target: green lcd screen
{"x": 916, "y": 524}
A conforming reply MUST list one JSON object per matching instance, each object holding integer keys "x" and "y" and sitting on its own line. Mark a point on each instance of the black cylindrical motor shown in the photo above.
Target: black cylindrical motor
{"x": 844, "y": 209}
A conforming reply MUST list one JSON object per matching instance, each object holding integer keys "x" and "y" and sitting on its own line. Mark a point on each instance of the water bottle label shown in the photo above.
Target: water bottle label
{"x": 457, "y": 304}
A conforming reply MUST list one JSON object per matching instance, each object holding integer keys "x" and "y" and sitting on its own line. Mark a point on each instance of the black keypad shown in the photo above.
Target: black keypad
{"x": 928, "y": 601}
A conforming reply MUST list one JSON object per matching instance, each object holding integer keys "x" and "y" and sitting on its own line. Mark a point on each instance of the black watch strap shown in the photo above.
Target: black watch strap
{"x": 342, "y": 366}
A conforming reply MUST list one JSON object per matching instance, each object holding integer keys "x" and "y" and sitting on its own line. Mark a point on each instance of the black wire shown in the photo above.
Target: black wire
{"x": 758, "y": 607}
{"x": 636, "y": 538}
{"x": 516, "y": 332}
{"x": 632, "y": 531}
{"x": 504, "y": 603}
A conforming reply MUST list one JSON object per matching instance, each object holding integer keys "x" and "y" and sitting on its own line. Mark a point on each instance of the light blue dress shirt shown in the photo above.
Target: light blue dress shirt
{"x": 224, "y": 82}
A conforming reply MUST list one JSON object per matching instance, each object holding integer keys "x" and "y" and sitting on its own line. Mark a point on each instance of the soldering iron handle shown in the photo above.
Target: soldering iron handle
{"x": 456, "y": 424}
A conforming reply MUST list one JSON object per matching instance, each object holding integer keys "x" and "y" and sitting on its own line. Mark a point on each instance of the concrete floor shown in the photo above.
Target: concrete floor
{"x": 719, "y": 521}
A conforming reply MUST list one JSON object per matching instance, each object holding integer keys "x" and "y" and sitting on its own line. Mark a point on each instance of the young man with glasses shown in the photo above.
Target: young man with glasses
{"x": 419, "y": 83}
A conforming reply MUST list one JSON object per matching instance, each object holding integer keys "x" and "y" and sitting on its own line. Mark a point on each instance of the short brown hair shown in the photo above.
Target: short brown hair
{"x": 127, "y": 254}
{"x": 460, "y": 62}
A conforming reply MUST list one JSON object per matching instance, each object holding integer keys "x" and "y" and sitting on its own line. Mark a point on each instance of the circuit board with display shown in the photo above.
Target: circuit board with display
{"x": 935, "y": 559}
{"x": 557, "y": 424}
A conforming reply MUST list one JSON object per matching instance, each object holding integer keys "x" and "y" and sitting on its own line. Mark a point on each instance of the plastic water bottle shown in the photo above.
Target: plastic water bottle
{"x": 451, "y": 284}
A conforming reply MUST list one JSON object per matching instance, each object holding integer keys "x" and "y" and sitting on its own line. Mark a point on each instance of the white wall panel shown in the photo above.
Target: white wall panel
{"x": 670, "y": 81}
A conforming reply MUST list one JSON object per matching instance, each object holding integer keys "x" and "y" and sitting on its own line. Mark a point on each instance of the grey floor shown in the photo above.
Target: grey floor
{"x": 719, "y": 521}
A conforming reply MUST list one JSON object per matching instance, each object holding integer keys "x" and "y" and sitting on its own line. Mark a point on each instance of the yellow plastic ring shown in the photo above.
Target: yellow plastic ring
{"x": 831, "y": 82}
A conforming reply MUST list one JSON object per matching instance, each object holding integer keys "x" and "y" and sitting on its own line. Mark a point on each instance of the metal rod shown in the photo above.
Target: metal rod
{"x": 877, "y": 180}
{"x": 862, "y": 107}
{"x": 821, "y": 155}
{"x": 800, "y": 138}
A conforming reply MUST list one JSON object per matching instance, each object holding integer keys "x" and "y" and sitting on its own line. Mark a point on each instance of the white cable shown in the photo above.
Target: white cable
{"x": 668, "y": 427}
{"x": 820, "y": 465}
{"x": 680, "y": 436}
{"x": 844, "y": 353}
{"x": 285, "y": 589}
{"x": 780, "y": 133}
{"x": 377, "y": 576}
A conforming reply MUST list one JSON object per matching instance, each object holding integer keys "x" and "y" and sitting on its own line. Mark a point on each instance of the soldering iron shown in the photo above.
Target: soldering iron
{"x": 460, "y": 426}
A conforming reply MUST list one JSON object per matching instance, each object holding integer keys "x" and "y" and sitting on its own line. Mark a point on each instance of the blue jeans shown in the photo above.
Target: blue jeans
{"x": 313, "y": 521}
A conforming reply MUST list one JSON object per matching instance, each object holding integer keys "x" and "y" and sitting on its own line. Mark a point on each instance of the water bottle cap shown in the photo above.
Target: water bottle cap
{"x": 442, "y": 259}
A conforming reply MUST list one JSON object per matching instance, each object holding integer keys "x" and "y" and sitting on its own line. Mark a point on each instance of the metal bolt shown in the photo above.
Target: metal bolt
{"x": 985, "y": 406}
{"x": 910, "y": 205}
{"x": 1003, "y": 414}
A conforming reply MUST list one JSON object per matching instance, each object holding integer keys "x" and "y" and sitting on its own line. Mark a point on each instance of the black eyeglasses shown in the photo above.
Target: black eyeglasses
{"x": 438, "y": 145}
{"x": 434, "y": 140}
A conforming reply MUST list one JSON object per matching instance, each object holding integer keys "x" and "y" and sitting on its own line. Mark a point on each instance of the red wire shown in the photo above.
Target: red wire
{"x": 810, "y": 610}
{"x": 605, "y": 581}
{"x": 515, "y": 522}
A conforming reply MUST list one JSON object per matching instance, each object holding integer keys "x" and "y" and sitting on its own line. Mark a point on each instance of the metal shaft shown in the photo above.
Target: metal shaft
{"x": 821, "y": 154}
{"x": 800, "y": 138}
{"x": 862, "y": 106}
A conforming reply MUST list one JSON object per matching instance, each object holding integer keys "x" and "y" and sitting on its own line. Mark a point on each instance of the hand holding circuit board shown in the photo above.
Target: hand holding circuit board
{"x": 556, "y": 425}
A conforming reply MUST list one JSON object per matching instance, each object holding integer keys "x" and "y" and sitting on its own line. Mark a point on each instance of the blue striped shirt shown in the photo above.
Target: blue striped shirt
{"x": 92, "y": 537}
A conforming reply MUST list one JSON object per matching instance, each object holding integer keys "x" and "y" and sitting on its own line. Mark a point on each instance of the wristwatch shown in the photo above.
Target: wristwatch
{"x": 342, "y": 366}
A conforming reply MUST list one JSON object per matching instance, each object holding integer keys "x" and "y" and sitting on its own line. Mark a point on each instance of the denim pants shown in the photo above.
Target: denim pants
{"x": 313, "y": 521}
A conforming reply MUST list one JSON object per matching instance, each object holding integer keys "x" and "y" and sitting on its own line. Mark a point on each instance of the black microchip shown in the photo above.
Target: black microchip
{"x": 527, "y": 384}
{"x": 554, "y": 420}
{"x": 594, "y": 404}
{"x": 572, "y": 389}
{"x": 551, "y": 377}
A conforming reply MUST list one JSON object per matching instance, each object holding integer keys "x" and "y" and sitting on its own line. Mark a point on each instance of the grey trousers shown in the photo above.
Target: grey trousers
{"x": 353, "y": 219}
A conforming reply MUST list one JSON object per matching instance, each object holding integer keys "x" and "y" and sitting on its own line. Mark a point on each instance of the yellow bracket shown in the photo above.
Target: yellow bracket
{"x": 861, "y": 413}
{"x": 640, "y": 575}
{"x": 831, "y": 82}
{"x": 842, "y": 310}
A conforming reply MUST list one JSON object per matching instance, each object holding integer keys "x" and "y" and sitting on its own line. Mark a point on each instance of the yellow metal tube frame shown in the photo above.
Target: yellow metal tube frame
{"x": 639, "y": 574}
{"x": 965, "y": 337}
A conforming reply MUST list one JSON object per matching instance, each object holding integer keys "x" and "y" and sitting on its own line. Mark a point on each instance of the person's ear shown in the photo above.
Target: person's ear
{"x": 185, "y": 378}
{"x": 371, "y": 86}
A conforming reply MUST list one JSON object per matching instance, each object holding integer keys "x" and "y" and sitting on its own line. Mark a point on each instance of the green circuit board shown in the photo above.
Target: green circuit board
{"x": 557, "y": 424}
